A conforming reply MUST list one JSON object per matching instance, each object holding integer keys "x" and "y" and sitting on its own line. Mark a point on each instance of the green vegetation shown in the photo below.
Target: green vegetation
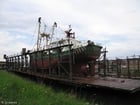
{"x": 18, "y": 91}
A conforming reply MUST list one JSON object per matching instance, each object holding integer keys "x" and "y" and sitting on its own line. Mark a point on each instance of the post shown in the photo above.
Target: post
{"x": 15, "y": 63}
{"x": 120, "y": 71}
{"x": 117, "y": 61}
{"x": 22, "y": 62}
{"x": 38, "y": 38}
{"x": 36, "y": 62}
{"x": 30, "y": 65}
{"x": 128, "y": 67}
{"x": 18, "y": 62}
{"x": 7, "y": 63}
{"x": 59, "y": 73}
{"x": 42, "y": 60}
{"x": 49, "y": 60}
{"x": 42, "y": 64}
{"x": 70, "y": 62}
{"x": 112, "y": 66}
{"x": 26, "y": 62}
{"x": 108, "y": 66}
{"x": 12, "y": 63}
{"x": 139, "y": 64}
{"x": 105, "y": 62}
{"x": 99, "y": 66}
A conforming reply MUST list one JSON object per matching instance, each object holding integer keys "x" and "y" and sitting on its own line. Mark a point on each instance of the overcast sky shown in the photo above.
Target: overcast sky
{"x": 115, "y": 24}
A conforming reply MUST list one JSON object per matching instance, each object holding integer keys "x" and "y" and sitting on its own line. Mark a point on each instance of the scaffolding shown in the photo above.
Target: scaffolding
{"x": 121, "y": 68}
{"x": 23, "y": 63}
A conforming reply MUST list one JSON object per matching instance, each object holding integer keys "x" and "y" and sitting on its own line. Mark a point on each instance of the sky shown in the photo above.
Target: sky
{"x": 114, "y": 24}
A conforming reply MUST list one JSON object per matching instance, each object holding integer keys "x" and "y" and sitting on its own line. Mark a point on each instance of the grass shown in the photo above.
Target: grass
{"x": 18, "y": 91}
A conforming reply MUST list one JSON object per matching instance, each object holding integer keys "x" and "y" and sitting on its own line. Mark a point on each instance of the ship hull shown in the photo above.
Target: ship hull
{"x": 76, "y": 57}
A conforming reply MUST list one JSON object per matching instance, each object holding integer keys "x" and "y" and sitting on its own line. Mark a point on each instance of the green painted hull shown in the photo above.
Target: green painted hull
{"x": 82, "y": 54}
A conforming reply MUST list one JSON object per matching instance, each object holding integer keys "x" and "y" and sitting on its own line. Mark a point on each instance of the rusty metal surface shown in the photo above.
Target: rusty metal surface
{"x": 130, "y": 85}
{"x": 114, "y": 83}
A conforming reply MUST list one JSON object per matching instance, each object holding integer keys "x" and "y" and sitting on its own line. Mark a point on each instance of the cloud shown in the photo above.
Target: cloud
{"x": 114, "y": 23}
{"x": 11, "y": 44}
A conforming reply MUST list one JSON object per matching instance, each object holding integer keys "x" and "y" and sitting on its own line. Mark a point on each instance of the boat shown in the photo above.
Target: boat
{"x": 64, "y": 51}
{"x": 68, "y": 61}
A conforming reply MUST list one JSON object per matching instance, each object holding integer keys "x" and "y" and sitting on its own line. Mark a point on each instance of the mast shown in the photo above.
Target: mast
{"x": 38, "y": 38}
{"x": 53, "y": 28}
{"x": 48, "y": 37}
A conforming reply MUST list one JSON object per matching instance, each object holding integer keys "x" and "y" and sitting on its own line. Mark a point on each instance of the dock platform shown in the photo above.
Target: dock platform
{"x": 120, "y": 84}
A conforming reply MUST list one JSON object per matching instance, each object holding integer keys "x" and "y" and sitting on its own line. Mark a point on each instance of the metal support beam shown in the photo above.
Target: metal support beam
{"x": 22, "y": 62}
{"x": 35, "y": 69}
{"x": 128, "y": 68}
{"x": 26, "y": 62}
{"x": 138, "y": 64}
{"x": 15, "y": 63}
{"x": 12, "y": 63}
{"x": 18, "y": 62}
{"x": 49, "y": 60}
{"x": 105, "y": 61}
{"x": 70, "y": 62}
{"x": 59, "y": 61}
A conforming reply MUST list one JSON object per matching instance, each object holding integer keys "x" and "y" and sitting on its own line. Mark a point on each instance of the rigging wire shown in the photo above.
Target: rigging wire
{"x": 33, "y": 36}
{"x": 59, "y": 30}
{"x": 34, "y": 33}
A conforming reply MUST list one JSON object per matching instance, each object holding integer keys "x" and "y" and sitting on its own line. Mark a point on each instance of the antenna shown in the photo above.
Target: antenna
{"x": 53, "y": 28}
{"x": 38, "y": 39}
{"x": 70, "y": 26}
{"x": 45, "y": 27}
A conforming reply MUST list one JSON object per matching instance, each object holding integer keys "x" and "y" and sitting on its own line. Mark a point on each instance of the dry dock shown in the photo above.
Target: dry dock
{"x": 120, "y": 84}
{"x": 129, "y": 85}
